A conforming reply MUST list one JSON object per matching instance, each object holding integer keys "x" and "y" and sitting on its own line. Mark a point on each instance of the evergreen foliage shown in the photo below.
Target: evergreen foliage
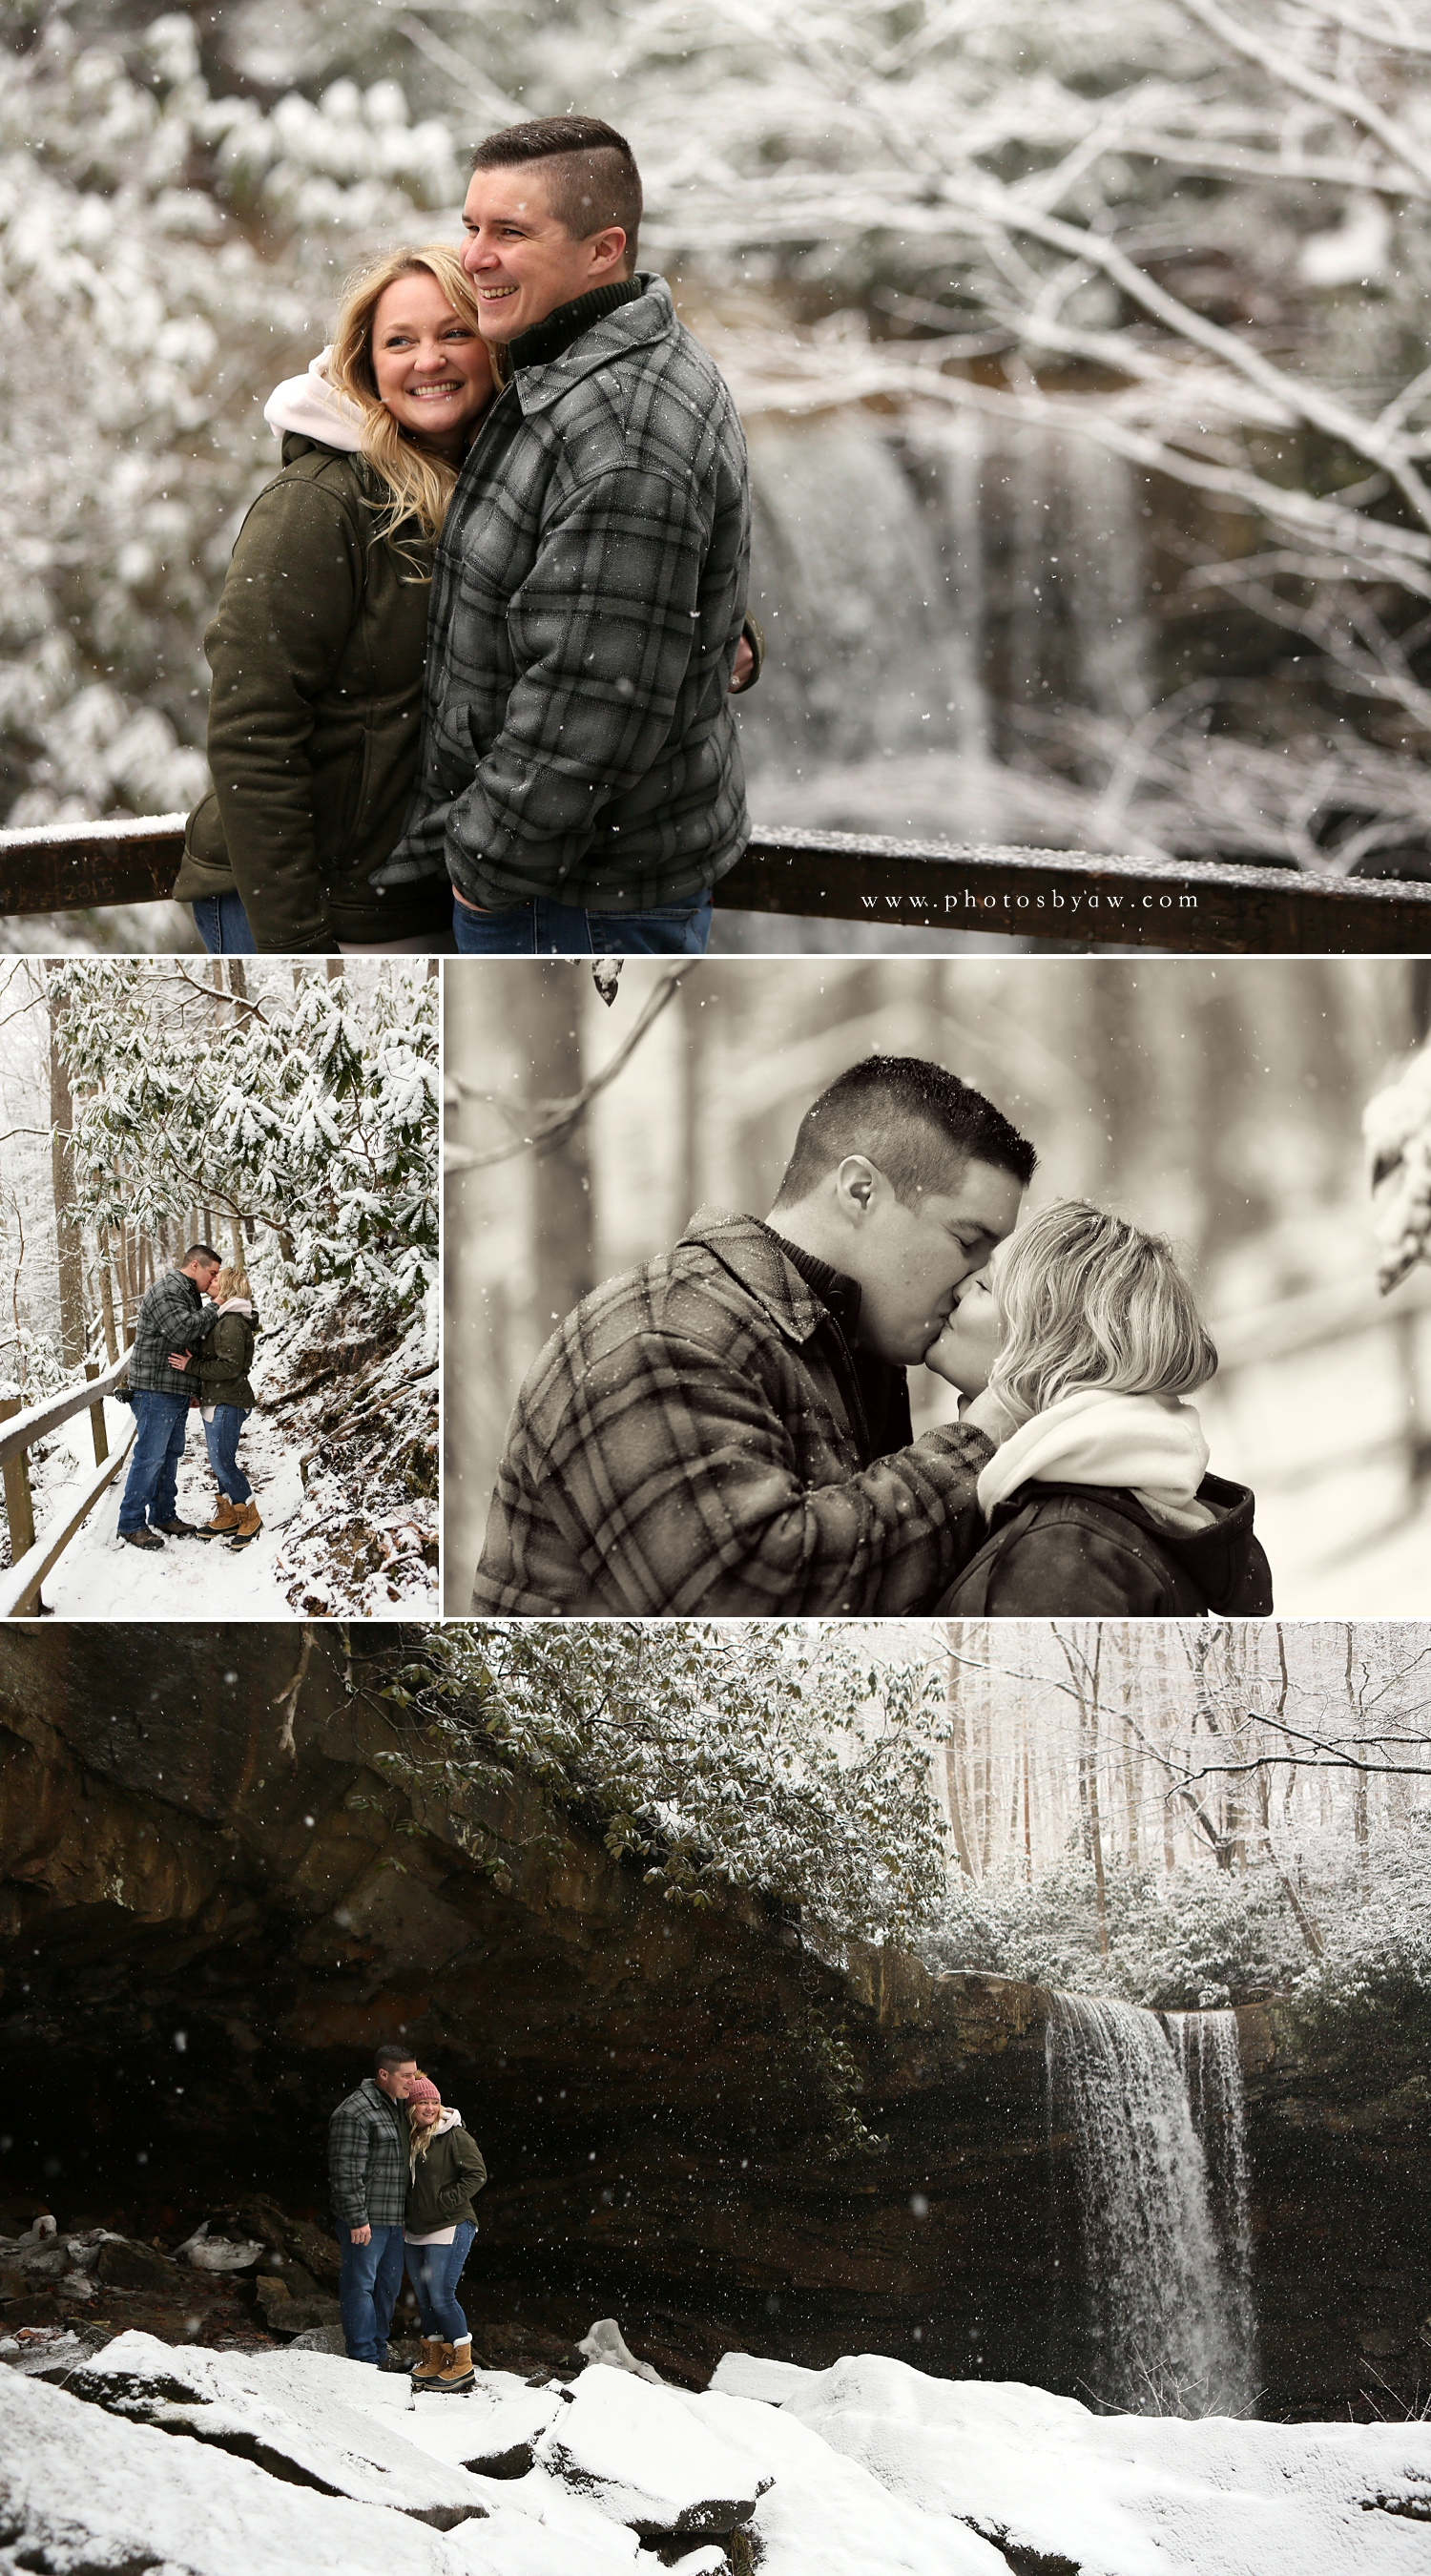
{"x": 767, "y": 1757}
{"x": 309, "y": 1115}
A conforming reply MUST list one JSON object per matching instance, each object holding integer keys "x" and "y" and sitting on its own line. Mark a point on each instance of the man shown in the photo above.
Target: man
{"x": 173, "y": 1319}
{"x": 367, "y": 2177}
{"x": 727, "y": 1429}
{"x": 580, "y": 775}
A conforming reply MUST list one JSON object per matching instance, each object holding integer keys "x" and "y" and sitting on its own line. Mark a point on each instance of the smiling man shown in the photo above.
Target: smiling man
{"x": 727, "y": 1429}
{"x": 580, "y": 777}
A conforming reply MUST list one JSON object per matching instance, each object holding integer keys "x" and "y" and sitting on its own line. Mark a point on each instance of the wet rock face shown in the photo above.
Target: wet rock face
{"x": 204, "y": 1937}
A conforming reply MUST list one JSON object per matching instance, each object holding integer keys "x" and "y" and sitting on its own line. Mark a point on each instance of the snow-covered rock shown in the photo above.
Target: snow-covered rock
{"x": 1118, "y": 2495}
{"x": 866, "y": 2469}
{"x": 290, "y": 2412}
{"x": 646, "y": 2458}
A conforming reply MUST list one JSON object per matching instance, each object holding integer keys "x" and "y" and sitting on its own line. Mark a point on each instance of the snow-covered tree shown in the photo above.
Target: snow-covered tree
{"x": 790, "y": 1760}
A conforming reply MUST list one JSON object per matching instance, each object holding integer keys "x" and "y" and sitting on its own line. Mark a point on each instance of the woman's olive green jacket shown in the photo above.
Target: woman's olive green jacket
{"x": 445, "y": 2181}
{"x": 317, "y": 653}
{"x": 225, "y": 1358}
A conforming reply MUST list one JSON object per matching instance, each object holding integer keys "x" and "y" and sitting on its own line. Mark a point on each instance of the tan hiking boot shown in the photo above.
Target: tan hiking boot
{"x": 246, "y": 1525}
{"x": 433, "y": 2349}
{"x": 225, "y": 1519}
{"x": 456, "y": 2372}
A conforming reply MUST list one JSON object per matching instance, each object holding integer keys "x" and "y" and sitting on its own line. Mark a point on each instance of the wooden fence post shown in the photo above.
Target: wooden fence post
{"x": 19, "y": 1508}
{"x": 96, "y": 1419}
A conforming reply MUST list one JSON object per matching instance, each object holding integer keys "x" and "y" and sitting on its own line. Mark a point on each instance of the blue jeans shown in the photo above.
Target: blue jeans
{"x": 368, "y": 2283}
{"x": 546, "y": 929}
{"x": 434, "y": 2271}
{"x": 221, "y": 1439}
{"x": 152, "y": 1486}
{"x": 222, "y": 924}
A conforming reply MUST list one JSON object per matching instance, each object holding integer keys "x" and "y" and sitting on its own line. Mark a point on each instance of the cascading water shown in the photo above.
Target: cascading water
{"x": 1206, "y": 2048}
{"x": 1170, "y": 2314}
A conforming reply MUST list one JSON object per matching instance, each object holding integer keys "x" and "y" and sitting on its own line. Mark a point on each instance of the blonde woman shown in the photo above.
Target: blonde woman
{"x": 226, "y": 1399}
{"x": 318, "y": 645}
{"x": 1098, "y": 1503}
{"x": 445, "y": 2173}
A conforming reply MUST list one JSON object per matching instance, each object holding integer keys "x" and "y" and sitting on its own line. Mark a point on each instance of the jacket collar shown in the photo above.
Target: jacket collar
{"x": 754, "y": 1257}
{"x": 552, "y": 337}
{"x": 637, "y": 323}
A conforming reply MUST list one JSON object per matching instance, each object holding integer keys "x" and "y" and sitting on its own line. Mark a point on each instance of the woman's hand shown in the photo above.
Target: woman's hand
{"x": 966, "y": 1350}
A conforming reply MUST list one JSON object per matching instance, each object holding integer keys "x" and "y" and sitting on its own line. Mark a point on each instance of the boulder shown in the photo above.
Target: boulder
{"x": 123, "y": 2263}
{"x": 287, "y": 2313}
{"x": 647, "y": 2461}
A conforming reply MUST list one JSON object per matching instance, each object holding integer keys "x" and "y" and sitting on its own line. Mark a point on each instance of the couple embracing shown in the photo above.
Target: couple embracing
{"x": 402, "y": 2176}
{"x": 727, "y": 1429}
{"x": 542, "y": 757}
{"x": 194, "y": 1339}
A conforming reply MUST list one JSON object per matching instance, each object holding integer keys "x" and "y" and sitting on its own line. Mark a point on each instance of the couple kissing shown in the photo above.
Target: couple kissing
{"x": 726, "y": 1430}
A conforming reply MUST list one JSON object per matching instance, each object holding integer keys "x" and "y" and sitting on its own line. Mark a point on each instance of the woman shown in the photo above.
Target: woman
{"x": 317, "y": 648}
{"x": 1098, "y": 1502}
{"x": 445, "y": 2171}
{"x": 226, "y": 1399}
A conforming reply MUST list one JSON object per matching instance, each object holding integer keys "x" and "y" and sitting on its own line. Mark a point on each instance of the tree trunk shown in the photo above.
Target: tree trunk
{"x": 563, "y": 1218}
{"x": 68, "y": 1249}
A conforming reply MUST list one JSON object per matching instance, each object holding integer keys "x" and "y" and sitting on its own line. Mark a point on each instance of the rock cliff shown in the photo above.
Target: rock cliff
{"x": 203, "y": 1934}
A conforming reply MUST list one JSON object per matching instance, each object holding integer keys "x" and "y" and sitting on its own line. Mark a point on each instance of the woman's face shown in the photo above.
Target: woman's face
{"x": 430, "y": 364}
{"x": 424, "y": 2114}
{"x": 969, "y": 1344}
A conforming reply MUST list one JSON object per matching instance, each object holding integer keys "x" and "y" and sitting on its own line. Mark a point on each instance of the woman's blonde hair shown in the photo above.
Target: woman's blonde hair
{"x": 1087, "y": 1300}
{"x": 232, "y": 1281}
{"x": 419, "y": 483}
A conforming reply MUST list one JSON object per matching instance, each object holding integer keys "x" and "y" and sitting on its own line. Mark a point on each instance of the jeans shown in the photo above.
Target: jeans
{"x": 368, "y": 2284}
{"x": 434, "y": 2271}
{"x": 546, "y": 929}
{"x": 152, "y": 1486}
{"x": 221, "y": 1439}
{"x": 222, "y": 924}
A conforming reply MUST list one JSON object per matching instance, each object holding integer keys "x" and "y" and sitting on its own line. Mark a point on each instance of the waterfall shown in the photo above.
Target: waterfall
{"x": 1210, "y": 2061}
{"x": 1169, "y": 2300}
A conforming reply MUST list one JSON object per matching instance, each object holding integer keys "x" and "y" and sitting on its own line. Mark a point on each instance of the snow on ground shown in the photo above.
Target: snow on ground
{"x": 341, "y": 1537}
{"x": 866, "y": 2466}
{"x": 1119, "y": 2495}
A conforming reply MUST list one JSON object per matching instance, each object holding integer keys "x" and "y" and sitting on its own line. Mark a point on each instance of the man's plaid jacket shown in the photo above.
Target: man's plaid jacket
{"x": 368, "y": 2159}
{"x": 692, "y": 1441}
{"x": 172, "y": 1317}
{"x": 587, "y": 602}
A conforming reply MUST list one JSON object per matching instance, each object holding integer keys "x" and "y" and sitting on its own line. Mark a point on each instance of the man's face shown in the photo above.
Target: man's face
{"x": 397, "y": 2081}
{"x": 912, "y": 1259}
{"x": 521, "y": 260}
{"x": 203, "y": 1274}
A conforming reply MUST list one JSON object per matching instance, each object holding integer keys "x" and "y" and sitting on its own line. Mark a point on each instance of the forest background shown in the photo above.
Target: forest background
{"x": 1083, "y": 353}
{"x": 286, "y": 1115}
{"x": 1182, "y": 1814}
{"x": 1221, "y": 1104}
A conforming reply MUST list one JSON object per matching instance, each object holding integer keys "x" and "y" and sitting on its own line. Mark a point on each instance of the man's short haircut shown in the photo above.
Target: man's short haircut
{"x": 202, "y": 1252}
{"x": 912, "y": 1120}
{"x": 391, "y": 2055}
{"x": 595, "y": 181}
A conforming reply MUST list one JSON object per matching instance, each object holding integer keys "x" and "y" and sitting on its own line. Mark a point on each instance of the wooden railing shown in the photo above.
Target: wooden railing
{"x": 1066, "y": 895}
{"x": 31, "y": 1558}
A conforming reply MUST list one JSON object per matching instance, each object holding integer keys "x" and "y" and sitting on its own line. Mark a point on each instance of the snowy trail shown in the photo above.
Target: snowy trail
{"x": 99, "y": 1578}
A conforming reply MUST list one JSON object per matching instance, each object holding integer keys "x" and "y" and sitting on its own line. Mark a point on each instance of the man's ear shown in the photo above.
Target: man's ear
{"x": 855, "y": 1183}
{"x": 608, "y": 249}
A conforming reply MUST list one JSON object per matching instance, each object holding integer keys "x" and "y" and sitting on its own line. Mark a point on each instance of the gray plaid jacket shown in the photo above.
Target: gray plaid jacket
{"x": 367, "y": 2159}
{"x": 691, "y": 1440}
{"x": 587, "y": 602}
{"x": 172, "y": 1317}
